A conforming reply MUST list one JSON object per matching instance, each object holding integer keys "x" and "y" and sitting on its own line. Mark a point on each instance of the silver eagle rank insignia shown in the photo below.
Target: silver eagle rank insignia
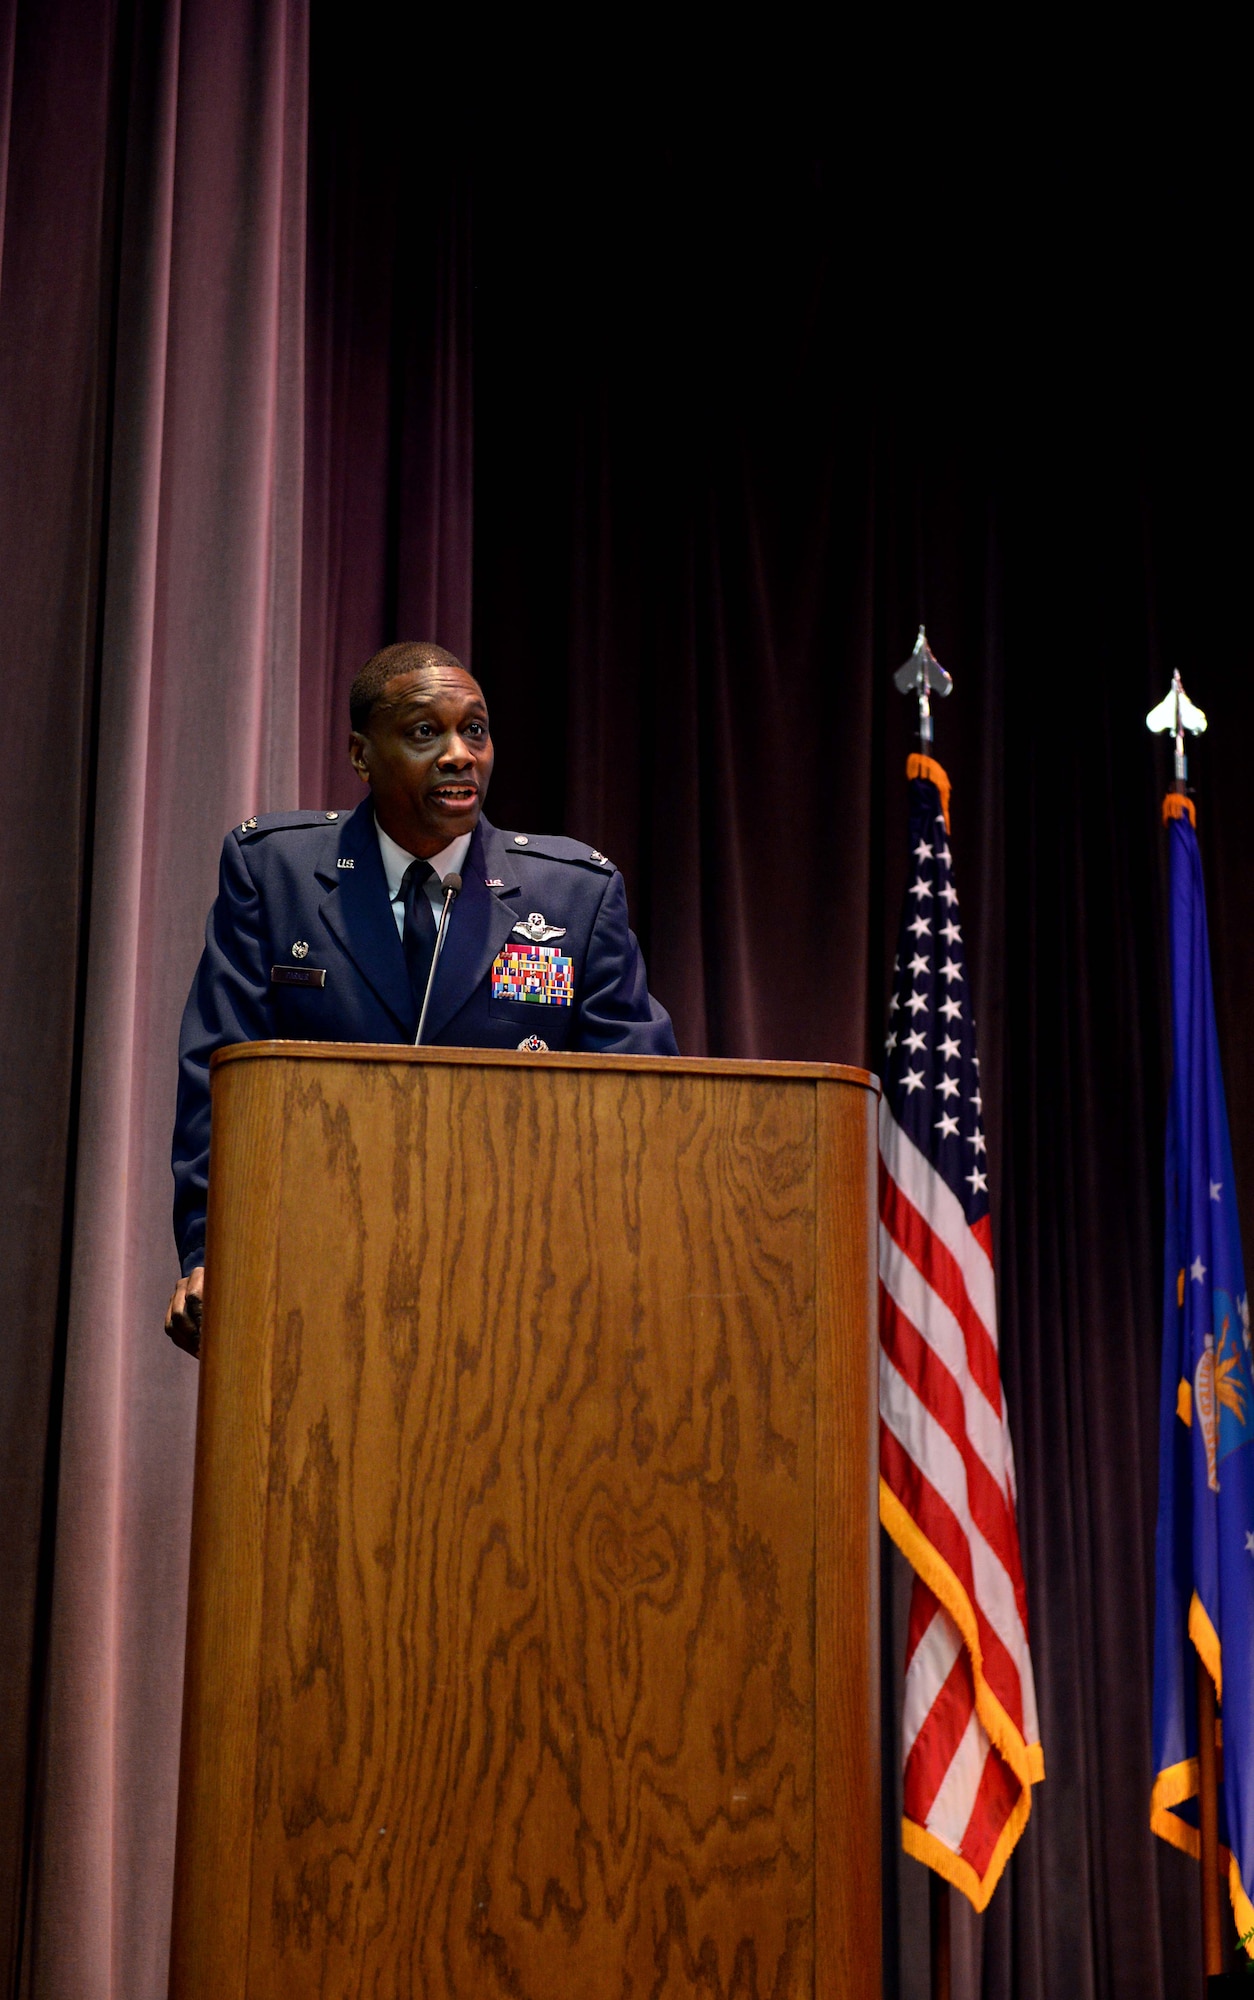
{"x": 536, "y": 931}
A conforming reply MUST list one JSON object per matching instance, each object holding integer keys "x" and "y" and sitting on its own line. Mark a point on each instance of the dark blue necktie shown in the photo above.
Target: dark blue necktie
{"x": 419, "y": 937}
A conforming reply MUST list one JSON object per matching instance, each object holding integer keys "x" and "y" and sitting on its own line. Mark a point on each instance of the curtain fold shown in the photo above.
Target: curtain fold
{"x": 389, "y": 406}
{"x": 56, "y": 172}
{"x": 673, "y": 576}
{"x": 197, "y": 720}
{"x": 190, "y": 586}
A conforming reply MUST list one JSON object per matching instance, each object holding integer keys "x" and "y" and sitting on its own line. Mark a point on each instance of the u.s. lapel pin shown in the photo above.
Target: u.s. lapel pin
{"x": 536, "y": 931}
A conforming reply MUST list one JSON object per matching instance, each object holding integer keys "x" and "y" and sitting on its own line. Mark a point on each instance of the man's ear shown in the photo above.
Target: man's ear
{"x": 357, "y": 756}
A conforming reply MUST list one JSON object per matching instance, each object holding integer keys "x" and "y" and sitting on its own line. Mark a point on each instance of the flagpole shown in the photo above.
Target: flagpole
{"x": 1176, "y": 716}
{"x": 923, "y": 676}
{"x": 938, "y": 1931}
{"x": 1208, "y": 1819}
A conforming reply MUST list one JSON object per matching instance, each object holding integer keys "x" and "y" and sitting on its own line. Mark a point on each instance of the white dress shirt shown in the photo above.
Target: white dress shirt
{"x": 449, "y": 861}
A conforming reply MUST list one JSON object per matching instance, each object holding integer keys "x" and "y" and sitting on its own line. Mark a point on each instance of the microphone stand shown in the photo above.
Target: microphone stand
{"x": 452, "y": 887}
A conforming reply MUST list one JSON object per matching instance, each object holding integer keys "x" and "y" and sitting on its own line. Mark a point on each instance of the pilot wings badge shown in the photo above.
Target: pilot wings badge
{"x": 536, "y": 931}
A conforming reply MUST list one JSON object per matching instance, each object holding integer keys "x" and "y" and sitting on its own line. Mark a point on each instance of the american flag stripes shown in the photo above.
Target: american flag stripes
{"x": 970, "y": 1741}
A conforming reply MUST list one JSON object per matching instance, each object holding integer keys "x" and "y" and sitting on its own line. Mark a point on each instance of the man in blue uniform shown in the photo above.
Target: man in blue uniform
{"x": 325, "y": 924}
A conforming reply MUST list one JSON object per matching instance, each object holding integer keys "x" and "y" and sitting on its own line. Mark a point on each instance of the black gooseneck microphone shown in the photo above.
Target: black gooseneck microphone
{"x": 452, "y": 887}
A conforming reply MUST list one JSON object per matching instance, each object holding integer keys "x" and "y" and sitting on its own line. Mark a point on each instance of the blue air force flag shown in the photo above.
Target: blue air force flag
{"x": 1205, "y": 1561}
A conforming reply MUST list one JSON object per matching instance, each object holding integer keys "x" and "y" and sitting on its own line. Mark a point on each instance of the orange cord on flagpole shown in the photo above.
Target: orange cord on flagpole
{"x": 919, "y": 766}
{"x": 1178, "y": 805}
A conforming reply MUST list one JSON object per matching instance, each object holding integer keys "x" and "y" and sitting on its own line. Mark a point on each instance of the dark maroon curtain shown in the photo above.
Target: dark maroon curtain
{"x": 743, "y": 415}
{"x": 53, "y": 101}
{"x": 389, "y": 431}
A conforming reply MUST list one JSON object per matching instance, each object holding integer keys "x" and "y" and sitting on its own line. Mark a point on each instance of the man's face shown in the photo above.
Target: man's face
{"x": 427, "y": 757}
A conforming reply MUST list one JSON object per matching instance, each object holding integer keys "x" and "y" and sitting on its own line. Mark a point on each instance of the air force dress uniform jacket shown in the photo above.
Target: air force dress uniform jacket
{"x": 303, "y": 897}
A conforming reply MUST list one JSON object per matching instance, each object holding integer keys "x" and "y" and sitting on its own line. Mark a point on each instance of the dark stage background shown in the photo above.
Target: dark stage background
{"x": 676, "y": 438}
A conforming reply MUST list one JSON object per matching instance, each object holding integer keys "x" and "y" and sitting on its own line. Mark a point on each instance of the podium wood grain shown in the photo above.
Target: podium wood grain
{"x": 532, "y": 1647}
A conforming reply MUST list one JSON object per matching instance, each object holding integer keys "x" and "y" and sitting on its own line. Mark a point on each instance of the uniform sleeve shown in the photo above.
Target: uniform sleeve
{"x": 617, "y": 1012}
{"x": 229, "y": 1002}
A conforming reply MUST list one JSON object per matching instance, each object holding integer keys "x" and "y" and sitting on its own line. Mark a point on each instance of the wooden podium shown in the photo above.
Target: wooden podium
{"x": 533, "y": 1638}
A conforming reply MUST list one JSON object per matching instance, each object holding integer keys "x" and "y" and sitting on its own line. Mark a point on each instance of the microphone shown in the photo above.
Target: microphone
{"x": 452, "y": 887}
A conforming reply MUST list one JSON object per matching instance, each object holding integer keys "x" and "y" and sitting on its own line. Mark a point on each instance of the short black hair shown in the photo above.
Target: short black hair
{"x": 407, "y": 656}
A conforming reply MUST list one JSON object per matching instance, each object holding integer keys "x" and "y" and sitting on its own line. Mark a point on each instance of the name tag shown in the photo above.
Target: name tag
{"x": 297, "y": 975}
{"x": 535, "y": 973}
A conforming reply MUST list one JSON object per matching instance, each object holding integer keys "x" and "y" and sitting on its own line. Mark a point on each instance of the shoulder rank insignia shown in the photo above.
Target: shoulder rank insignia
{"x": 536, "y": 931}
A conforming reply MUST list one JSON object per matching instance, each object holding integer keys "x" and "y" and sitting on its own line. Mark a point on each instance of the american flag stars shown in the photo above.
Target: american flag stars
{"x": 932, "y": 1075}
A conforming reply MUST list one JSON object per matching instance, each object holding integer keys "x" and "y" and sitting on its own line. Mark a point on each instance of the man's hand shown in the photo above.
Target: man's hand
{"x": 182, "y": 1321}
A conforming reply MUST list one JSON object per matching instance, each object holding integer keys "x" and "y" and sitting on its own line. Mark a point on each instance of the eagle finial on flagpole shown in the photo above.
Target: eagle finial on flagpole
{"x": 923, "y": 673}
{"x": 1175, "y": 713}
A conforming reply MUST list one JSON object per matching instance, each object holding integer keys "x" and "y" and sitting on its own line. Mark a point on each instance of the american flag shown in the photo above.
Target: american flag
{"x": 970, "y": 1741}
